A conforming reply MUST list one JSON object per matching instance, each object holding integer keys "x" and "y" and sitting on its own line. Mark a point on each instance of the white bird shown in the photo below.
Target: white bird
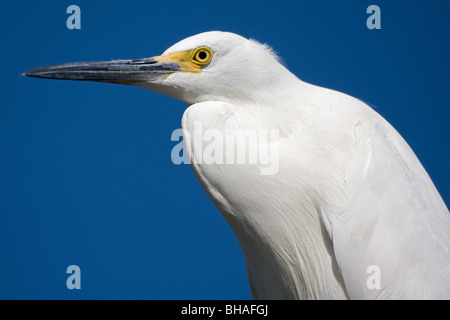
{"x": 350, "y": 212}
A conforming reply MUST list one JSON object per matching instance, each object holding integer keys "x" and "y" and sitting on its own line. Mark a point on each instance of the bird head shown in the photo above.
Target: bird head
{"x": 213, "y": 65}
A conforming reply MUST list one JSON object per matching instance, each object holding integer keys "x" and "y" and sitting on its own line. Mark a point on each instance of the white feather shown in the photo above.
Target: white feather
{"x": 349, "y": 193}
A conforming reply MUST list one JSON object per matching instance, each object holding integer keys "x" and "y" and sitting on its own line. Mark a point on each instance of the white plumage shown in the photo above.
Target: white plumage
{"x": 349, "y": 192}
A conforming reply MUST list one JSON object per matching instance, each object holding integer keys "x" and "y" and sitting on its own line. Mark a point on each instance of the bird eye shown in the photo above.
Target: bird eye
{"x": 202, "y": 56}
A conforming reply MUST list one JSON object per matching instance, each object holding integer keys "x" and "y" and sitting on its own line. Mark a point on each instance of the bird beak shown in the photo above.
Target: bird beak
{"x": 116, "y": 71}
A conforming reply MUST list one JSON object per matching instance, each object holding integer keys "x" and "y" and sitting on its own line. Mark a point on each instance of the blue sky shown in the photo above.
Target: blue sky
{"x": 86, "y": 176}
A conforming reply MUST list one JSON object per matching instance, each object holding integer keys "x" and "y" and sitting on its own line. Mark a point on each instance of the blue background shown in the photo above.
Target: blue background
{"x": 86, "y": 176}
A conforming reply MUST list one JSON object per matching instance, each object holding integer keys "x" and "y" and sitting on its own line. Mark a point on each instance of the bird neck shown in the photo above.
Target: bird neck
{"x": 281, "y": 103}
{"x": 285, "y": 260}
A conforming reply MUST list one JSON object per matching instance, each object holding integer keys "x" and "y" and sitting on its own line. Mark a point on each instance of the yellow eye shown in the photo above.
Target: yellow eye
{"x": 202, "y": 56}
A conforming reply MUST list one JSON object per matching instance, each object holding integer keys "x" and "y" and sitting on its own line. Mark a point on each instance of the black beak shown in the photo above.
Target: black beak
{"x": 116, "y": 71}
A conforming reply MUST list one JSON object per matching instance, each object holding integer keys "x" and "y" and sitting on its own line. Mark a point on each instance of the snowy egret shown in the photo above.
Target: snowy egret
{"x": 349, "y": 213}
